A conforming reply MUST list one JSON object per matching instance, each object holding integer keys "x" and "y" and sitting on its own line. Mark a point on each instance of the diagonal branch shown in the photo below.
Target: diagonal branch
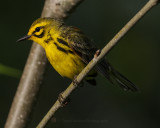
{"x": 34, "y": 69}
{"x": 95, "y": 60}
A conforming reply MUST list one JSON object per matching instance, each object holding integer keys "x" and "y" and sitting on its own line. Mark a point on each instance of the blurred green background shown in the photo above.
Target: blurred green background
{"x": 136, "y": 56}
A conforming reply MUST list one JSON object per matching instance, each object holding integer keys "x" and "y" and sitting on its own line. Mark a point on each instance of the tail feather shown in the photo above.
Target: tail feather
{"x": 114, "y": 76}
{"x": 92, "y": 82}
{"x": 90, "y": 78}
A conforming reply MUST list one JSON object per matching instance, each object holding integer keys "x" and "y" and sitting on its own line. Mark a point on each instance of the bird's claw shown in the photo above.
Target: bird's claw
{"x": 63, "y": 101}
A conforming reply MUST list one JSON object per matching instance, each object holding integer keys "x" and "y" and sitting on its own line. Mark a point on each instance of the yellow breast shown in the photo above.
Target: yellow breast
{"x": 64, "y": 61}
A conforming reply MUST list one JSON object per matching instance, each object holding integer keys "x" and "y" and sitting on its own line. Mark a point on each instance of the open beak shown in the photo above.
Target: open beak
{"x": 24, "y": 38}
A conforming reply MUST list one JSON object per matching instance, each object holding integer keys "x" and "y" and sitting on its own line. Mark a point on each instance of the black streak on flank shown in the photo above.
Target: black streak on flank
{"x": 60, "y": 48}
{"x": 79, "y": 53}
{"x": 62, "y": 42}
{"x": 63, "y": 50}
{"x": 70, "y": 51}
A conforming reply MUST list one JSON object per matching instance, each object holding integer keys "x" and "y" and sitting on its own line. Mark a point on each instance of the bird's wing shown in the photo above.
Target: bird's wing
{"x": 81, "y": 44}
{"x": 85, "y": 48}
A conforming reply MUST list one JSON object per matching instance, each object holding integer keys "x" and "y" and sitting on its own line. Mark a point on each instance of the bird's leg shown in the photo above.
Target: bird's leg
{"x": 76, "y": 83}
{"x": 63, "y": 101}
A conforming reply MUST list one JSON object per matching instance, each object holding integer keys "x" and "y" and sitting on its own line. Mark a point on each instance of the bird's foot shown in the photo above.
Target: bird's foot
{"x": 63, "y": 101}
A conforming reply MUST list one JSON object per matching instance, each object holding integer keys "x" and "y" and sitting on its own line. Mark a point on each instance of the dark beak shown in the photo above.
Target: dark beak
{"x": 24, "y": 38}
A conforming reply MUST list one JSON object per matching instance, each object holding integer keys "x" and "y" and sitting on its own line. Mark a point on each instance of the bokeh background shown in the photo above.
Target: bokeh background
{"x": 136, "y": 56}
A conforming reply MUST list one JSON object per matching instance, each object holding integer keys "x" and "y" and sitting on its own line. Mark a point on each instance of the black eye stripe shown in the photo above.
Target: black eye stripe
{"x": 37, "y": 29}
{"x": 40, "y": 35}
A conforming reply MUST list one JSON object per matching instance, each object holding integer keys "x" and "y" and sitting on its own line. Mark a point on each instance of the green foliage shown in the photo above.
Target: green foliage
{"x": 9, "y": 71}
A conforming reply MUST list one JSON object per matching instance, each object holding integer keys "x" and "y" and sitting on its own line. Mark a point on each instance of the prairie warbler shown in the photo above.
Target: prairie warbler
{"x": 69, "y": 50}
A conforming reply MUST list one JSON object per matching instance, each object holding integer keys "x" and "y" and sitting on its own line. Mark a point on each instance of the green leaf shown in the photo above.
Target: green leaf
{"x": 9, "y": 71}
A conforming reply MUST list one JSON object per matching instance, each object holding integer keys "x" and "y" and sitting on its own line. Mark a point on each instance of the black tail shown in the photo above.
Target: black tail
{"x": 90, "y": 78}
{"x": 114, "y": 76}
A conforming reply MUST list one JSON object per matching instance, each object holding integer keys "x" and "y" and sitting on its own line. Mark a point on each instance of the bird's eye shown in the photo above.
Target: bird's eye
{"x": 38, "y": 29}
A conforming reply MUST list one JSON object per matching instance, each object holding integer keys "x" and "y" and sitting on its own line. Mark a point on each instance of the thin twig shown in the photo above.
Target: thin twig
{"x": 34, "y": 69}
{"x": 94, "y": 61}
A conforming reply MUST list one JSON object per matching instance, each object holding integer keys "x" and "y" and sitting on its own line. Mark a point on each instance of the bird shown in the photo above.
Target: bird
{"x": 69, "y": 50}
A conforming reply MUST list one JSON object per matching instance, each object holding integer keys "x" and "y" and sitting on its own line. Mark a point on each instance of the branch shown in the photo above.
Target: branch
{"x": 34, "y": 69}
{"x": 96, "y": 59}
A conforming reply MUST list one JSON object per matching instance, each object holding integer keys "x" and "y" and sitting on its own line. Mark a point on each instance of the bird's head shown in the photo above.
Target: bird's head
{"x": 39, "y": 29}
